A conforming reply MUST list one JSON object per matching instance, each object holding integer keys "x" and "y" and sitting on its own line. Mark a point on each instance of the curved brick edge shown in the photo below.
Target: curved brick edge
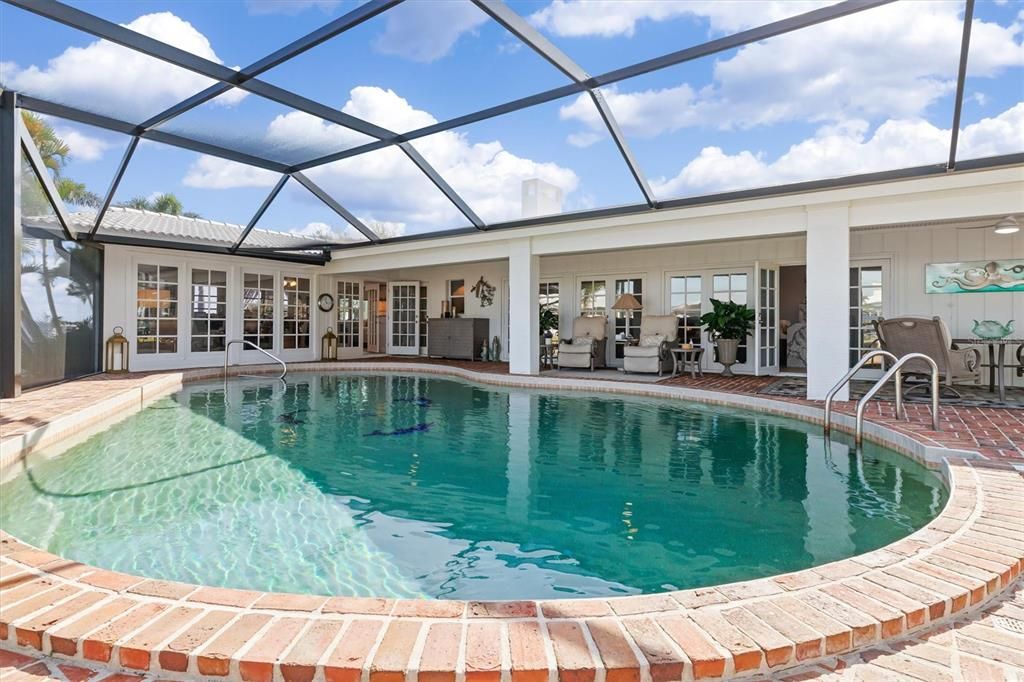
{"x": 973, "y": 550}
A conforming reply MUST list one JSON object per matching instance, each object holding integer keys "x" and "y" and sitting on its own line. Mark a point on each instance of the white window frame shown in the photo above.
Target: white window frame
{"x": 209, "y": 267}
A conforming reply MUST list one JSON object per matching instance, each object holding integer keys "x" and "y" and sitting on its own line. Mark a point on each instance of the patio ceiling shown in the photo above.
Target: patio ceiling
{"x": 353, "y": 142}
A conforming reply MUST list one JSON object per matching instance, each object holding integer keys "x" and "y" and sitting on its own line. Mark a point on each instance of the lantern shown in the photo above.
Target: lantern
{"x": 117, "y": 352}
{"x": 329, "y": 346}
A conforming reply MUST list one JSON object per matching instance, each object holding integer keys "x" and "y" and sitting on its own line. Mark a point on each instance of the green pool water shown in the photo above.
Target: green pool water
{"x": 398, "y": 485}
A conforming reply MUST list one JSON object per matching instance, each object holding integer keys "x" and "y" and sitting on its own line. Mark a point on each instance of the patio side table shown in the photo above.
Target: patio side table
{"x": 996, "y": 360}
{"x": 681, "y": 357}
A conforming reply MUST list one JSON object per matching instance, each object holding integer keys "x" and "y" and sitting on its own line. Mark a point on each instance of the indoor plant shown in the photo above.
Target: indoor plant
{"x": 548, "y": 320}
{"x": 727, "y": 324}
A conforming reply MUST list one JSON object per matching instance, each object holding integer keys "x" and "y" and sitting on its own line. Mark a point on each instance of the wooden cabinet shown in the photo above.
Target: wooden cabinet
{"x": 457, "y": 337}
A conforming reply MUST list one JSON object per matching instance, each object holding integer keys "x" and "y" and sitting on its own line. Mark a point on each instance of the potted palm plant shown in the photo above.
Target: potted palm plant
{"x": 727, "y": 324}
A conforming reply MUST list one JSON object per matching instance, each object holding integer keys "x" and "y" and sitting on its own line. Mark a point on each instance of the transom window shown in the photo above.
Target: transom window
{"x": 348, "y": 314}
{"x": 295, "y": 333}
{"x": 258, "y": 309}
{"x": 209, "y": 310}
{"x": 157, "y": 309}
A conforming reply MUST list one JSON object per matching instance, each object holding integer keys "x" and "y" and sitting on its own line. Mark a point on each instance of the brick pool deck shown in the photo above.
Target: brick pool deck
{"x": 941, "y": 602}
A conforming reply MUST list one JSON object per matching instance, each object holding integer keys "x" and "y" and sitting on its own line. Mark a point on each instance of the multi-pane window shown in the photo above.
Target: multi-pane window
{"x": 258, "y": 309}
{"x": 457, "y": 297}
{"x": 766, "y": 321}
{"x": 732, "y": 287}
{"x": 348, "y": 314}
{"x": 622, "y": 329}
{"x": 209, "y": 310}
{"x": 593, "y": 298}
{"x": 404, "y": 325}
{"x": 865, "y": 308}
{"x": 157, "y": 309}
{"x": 423, "y": 316}
{"x": 549, "y": 312}
{"x": 685, "y": 301}
{"x": 295, "y": 332}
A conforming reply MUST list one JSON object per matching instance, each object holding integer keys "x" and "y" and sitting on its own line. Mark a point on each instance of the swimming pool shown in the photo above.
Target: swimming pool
{"x": 407, "y": 485}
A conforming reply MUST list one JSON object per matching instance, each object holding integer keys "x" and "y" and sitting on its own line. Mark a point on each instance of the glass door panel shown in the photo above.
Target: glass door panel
{"x": 403, "y": 318}
{"x": 730, "y": 286}
{"x": 866, "y": 305}
{"x": 767, "y": 330}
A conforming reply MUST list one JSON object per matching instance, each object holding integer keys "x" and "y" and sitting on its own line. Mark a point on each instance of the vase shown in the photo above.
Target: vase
{"x": 727, "y": 354}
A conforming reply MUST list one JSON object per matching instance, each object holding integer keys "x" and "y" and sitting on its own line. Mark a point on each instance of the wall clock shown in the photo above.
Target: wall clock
{"x": 325, "y": 302}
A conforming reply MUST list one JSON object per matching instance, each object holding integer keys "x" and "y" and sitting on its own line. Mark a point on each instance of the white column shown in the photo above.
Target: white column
{"x": 523, "y": 308}
{"x": 828, "y": 292}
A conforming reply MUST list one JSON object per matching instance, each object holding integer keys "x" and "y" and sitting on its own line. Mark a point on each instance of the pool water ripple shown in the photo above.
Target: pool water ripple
{"x": 412, "y": 486}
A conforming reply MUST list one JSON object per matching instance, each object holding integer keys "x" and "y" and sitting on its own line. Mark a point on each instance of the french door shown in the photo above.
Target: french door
{"x": 690, "y": 295}
{"x": 766, "y": 329}
{"x": 403, "y": 318}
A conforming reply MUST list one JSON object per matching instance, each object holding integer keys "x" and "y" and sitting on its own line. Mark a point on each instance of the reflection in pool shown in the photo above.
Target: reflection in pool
{"x": 397, "y": 485}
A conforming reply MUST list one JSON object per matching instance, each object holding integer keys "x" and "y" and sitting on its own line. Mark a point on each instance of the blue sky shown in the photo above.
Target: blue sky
{"x": 868, "y": 92}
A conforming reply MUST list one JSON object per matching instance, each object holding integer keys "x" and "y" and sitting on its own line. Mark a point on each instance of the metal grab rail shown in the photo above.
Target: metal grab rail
{"x": 849, "y": 375}
{"x": 895, "y": 370}
{"x": 284, "y": 367}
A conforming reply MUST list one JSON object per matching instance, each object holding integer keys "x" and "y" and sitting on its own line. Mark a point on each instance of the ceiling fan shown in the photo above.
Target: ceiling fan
{"x": 1007, "y": 225}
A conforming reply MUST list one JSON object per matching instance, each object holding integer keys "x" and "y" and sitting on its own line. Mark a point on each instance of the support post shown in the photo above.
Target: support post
{"x": 828, "y": 293}
{"x": 523, "y": 308}
{"x": 10, "y": 246}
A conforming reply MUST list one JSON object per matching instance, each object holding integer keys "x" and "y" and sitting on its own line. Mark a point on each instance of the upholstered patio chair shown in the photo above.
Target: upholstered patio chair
{"x": 586, "y": 349}
{"x": 903, "y": 335}
{"x": 657, "y": 334}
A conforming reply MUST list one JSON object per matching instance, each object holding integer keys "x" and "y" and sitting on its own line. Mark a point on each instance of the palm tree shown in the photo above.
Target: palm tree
{"x": 55, "y": 151}
{"x": 161, "y": 203}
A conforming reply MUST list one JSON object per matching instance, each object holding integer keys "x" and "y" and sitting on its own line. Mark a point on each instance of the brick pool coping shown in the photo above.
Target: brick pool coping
{"x": 965, "y": 557}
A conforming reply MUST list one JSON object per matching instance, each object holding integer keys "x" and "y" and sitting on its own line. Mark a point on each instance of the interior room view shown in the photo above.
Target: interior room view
{"x": 511, "y": 340}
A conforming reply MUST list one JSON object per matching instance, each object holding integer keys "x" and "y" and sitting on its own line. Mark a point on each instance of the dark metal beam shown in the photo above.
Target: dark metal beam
{"x": 260, "y": 211}
{"x": 336, "y": 207}
{"x": 520, "y": 28}
{"x": 35, "y": 160}
{"x": 121, "y": 167}
{"x": 10, "y": 246}
{"x": 620, "y": 141}
{"x": 958, "y": 103}
{"x": 933, "y": 170}
{"x": 107, "y": 123}
{"x": 195, "y": 247}
{"x": 330, "y": 30}
{"x": 115, "y": 33}
{"x": 442, "y": 185}
{"x": 836, "y": 11}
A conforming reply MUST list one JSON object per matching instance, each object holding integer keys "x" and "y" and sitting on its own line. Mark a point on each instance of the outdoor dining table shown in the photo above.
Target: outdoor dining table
{"x": 996, "y": 360}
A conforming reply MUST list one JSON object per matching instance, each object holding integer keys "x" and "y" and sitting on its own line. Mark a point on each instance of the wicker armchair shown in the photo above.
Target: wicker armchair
{"x": 903, "y": 335}
{"x": 587, "y": 347}
{"x": 657, "y": 357}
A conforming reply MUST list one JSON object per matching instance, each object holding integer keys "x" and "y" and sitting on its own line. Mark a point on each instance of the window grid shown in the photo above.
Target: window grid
{"x": 865, "y": 307}
{"x": 766, "y": 321}
{"x": 157, "y": 309}
{"x": 732, "y": 287}
{"x": 295, "y": 327}
{"x": 548, "y": 299}
{"x": 685, "y": 300}
{"x": 403, "y": 316}
{"x": 349, "y": 314}
{"x": 457, "y": 297}
{"x": 593, "y": 298}
{"x": 423, "y": 316}
{"x": 627, "y": 286}
{"x": 258, "y": 309}
{"x": 209, "y": 310}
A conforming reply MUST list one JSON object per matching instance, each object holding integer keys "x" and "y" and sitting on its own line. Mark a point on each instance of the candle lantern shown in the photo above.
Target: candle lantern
{"x": 329, "y": 346}
{"x": 117, "y": 352}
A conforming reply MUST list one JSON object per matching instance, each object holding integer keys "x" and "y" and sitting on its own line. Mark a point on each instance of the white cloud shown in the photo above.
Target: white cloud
{"x": 426, "y": 30}
{"x": 844, "y": 149}
{"x": 583, "y": 139}
{"x": 290, "y": 7}
{"x": 113, "y": 79}
{"x": 834, "y": 71}
{"x": 210, "y": 172}
{"x": 609, "y": 18}
{"x": 84, "y": 147}
{"x": 385, "y": 186}
{"x": 327, "y": 233}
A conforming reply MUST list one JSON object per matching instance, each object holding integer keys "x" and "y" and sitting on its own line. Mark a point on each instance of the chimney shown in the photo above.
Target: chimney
{"x": 541, "y": 198}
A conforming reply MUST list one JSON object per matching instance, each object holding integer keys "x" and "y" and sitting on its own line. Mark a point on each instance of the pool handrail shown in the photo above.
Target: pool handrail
{"x": 895, "y": 370}
{"x": 284, "y": 367}
{"x": 849, "y": 375}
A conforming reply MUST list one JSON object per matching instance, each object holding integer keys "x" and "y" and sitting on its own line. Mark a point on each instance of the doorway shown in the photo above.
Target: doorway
{"x": 793, "y": 318}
